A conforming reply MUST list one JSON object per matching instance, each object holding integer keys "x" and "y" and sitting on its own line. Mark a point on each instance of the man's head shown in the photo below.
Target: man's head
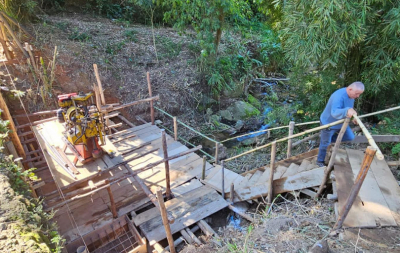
{"x": 355, "y": 89}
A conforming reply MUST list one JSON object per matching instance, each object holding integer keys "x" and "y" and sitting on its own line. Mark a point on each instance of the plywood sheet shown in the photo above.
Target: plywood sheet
{"x": 370, "y": 193}
{"x": 357, "y": 216}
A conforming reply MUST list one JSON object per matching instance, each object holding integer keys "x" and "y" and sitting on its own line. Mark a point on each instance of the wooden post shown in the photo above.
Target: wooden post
{"x": 166, "y": 164}
{"x": 329, "y": 168}
{"x": 232, "y": 192}
{"x": 103, "y": 99}
{"x": 216, "y": 152}
{"x": 175, "y": 128}
{"x": 271, "y": 174}
{"x": 289, "y": 148}
{"x": 151, "y": 102}
{"x": 366, "y": 163}
{"x": 4, "y": 42}
{"x": 5, "y": 115}
{"x": 223, "y": 180}
{"x": 203, "y": 174}
{"x": 165, "y": 222}
{"x": 112, "y": 202}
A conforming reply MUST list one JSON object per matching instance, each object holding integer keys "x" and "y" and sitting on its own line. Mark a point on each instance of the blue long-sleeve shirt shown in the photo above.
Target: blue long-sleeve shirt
{"x": 336, "y": 108}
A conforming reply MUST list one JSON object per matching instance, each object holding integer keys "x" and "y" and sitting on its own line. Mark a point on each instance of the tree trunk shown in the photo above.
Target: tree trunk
{"x": 221, "y": 18}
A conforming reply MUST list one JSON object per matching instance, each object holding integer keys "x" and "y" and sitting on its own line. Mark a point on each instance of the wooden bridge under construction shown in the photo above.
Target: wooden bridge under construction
{"x": 151, "y": 192}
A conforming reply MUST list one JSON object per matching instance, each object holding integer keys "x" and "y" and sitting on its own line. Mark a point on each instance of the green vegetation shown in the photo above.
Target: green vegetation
{"x": 23, "y": 213}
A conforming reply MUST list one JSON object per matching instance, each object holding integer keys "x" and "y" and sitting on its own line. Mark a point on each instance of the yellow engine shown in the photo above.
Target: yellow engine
{"x": 84, "y": 123}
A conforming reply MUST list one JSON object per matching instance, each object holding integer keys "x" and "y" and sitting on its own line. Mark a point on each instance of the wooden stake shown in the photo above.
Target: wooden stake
{"x": 223, "y": 180}
{"x": 151, "y": 102}
{"x": 247, "y": 217}
{"x": 166, "y": 164}
{"x": 232, "y": 192}
{"x": 271, "y": 174}
{"x": 371, "y": 141}
{"x": 32, "y": 57}
{"x": 175, "y": 128}
{"x": 203, "y": 174}
{"x": 112, "y": 202}
{"x": 165, "y": 222}
{"x": 5, "y": 114}
{"x": 329, "y": 168}
{"x": 289, "y": 148}
{"x": 4, "y": 42}
{"x": 186, "y": 236}
{"x": 194, "y": 238}
{"x": 368, "y": 158}
{"x": 216, "y": 152}
{"x": 207, "y": 230}
{"x": 101, "y": 92}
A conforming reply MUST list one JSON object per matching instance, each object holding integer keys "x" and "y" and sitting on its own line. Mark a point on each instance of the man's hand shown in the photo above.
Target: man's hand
{"x": 350, "y": 114}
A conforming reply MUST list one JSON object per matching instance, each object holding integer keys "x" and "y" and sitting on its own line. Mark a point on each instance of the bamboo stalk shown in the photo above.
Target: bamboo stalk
{"x": 329, "y": 168}
{"x": 119, "y": 107}
{"x": 371, "y": 141}
{"x": 289, "y": 148}
{"x": 166, "y": 164}
{"x": 165, "y": 222}
{"x": 366, "y": 163}
{"x": 151, "y": 102}
{"x": 203, "y": 174}
{"x": 271, "y": 174}
{"x": 286, "y": 138}
{"x": 175, "y": 129}
{"x": 3, "y": 41}
{"x": 14, "y": 37}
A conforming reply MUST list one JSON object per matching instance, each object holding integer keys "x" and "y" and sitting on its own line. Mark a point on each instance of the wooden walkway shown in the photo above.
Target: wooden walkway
{"x": 143, "y": 143}
{"x": 378, "y": 202}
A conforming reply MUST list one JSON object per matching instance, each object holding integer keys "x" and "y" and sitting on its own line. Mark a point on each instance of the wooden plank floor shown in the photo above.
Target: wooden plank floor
{"x": 378, "y": 202}
{"x": 187, "y": 209}
{"x": 92, "y": 212}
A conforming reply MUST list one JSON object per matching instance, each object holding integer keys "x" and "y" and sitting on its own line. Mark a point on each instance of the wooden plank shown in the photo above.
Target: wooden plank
{"x": 264, "y": 177}
{"x": 388, "y": 186}
{"x": 370, "y": 193}
{"x": 255, "y": 177}
{"x": 299, "y": 181}
{"x": 188, "y": 211}
{"x": 216, "y": 181}
{"x": 291, "y": 170}
{"x": 377, "y": 138}
{"x": 304, "y": 165}
{"x": 357, "y": 217}
{"x": 294, "y": 159}
{"x": 280, "y": 171}
{"x": 187, "y": 187}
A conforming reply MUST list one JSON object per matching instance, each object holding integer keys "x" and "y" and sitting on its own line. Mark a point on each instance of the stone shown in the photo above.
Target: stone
{"x": 225, "y": 114}
{"x": 3, "y": 226}
{"x": 320, "y": 247}
{"x": 3, "y": 236}
{"x": 239, "y": 124}
{"x": 242, "y": 110}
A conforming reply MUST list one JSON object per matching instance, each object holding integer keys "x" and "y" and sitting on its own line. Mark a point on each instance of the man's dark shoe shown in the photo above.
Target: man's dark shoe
{"x": 321, "y": 164}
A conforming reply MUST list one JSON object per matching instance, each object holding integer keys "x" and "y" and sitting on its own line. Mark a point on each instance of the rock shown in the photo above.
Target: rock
{"x": 239, "y": 124}
{"x": 226, "y": 114}
{"x": 3, "y": 236}
{"x": 3, "y": 226}
{"x": 242, "y": 110}
{"x": 206, "y": 102}
{"x": 235, "y": 92}
{"x": 320, "y": 247}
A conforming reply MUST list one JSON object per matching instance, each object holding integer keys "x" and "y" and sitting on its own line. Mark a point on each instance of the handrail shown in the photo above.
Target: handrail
{"x": 310, "y": 131}
{"x": 269, "y": 129}
{"x": 188, "y": 127}
{"x": 371, "y": 140}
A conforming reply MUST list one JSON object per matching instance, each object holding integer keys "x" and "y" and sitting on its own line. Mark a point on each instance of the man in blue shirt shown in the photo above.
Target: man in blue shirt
{"x": 339, "y": 106}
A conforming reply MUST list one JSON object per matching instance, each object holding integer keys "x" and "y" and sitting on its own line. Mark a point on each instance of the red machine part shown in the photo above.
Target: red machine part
{"x": 63, "y": 97}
